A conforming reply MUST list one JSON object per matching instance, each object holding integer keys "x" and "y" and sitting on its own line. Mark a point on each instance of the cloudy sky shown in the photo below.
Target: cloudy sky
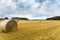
{"x": 32, "y": 9}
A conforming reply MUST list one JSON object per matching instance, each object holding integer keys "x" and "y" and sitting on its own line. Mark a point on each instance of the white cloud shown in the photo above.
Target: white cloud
{"x": 30, "y": 8}
{"x": 8, "y": 3}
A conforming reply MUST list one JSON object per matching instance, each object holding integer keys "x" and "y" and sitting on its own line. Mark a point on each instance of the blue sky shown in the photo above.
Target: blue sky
{"x": 32, "y": 9}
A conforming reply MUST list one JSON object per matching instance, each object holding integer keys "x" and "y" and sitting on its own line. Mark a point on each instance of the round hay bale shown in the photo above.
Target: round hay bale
{"x": 8, "y": 25}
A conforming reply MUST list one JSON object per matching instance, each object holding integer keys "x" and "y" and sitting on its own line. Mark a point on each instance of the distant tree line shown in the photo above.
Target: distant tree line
{"x": 14, "y": 18}
{"x": 17, "y": 18}
{"x": 54, "y": 18}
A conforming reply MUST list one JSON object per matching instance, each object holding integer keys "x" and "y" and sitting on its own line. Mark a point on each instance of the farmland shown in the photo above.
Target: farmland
{"x": 34, "y": 30}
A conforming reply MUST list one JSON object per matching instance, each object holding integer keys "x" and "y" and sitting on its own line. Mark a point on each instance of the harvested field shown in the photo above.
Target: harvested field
{"x": 34, "y": 30}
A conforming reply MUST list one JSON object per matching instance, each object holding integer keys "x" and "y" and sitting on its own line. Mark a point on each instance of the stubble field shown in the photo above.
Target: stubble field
{"x": 34, "y": 30}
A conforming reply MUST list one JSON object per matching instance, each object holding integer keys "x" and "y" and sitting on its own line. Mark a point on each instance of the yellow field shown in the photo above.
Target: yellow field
{"x": 34, "y": 30}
